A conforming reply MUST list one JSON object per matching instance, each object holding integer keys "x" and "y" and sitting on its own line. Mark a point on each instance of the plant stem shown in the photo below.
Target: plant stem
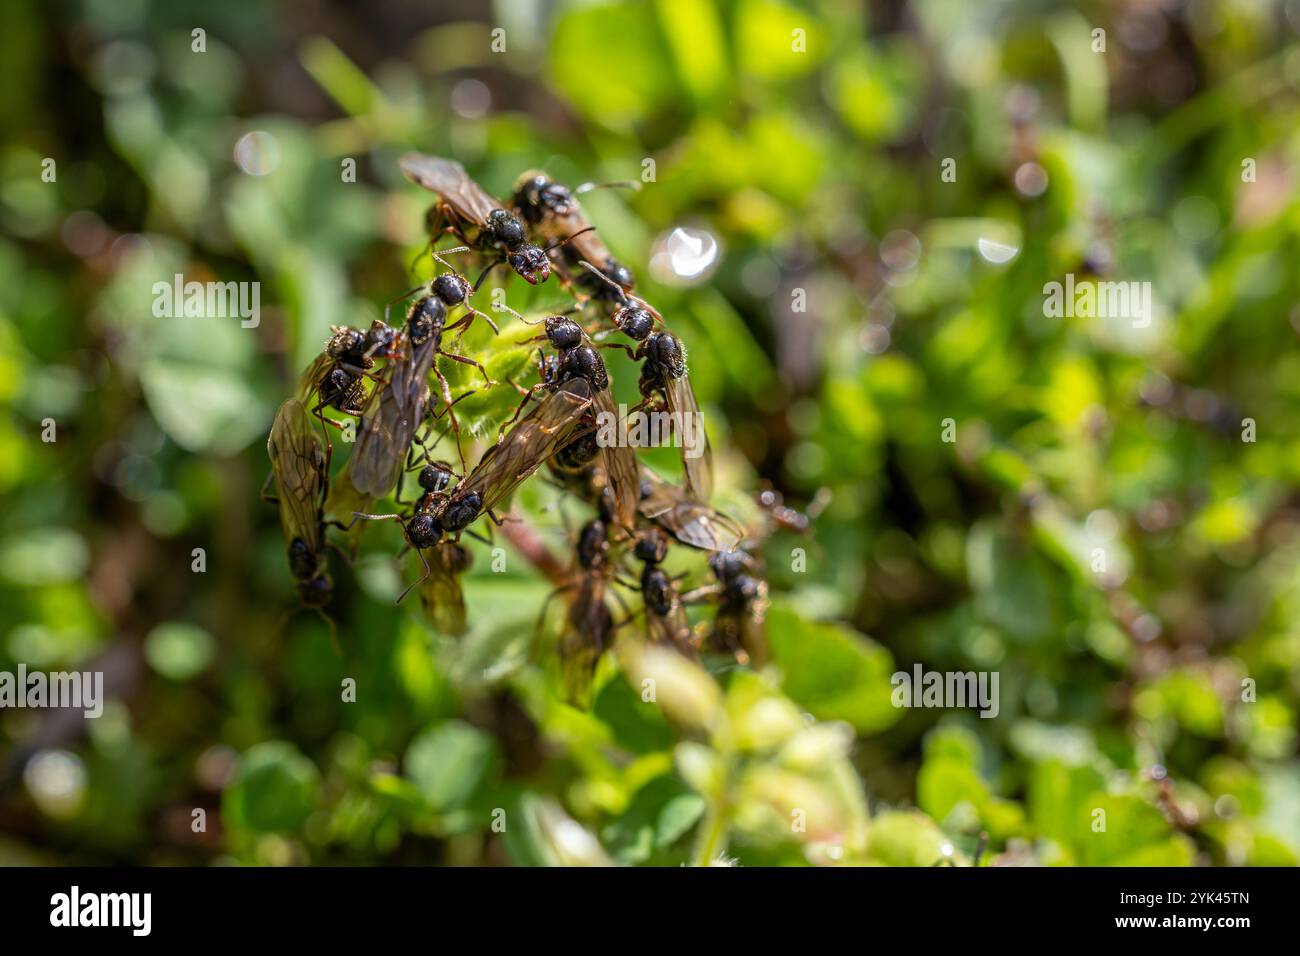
{"x": 713, "y": 834}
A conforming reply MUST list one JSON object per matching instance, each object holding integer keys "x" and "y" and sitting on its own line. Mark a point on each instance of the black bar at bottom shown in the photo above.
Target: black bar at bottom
{"x": 335, "y": 904}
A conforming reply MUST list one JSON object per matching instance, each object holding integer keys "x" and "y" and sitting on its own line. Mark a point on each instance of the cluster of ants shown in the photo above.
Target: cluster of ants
{"x": 381, "y": 378}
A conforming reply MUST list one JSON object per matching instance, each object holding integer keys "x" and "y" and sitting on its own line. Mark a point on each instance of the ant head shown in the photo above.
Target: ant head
{"x": 563, "y": 332}
{"x": 634, "y": 322}
{"x": 460, "y": 511}
{"x": 423, "y": 531}
{"x": 651, "y": 547}
{"x": 317, "y": 591}
{"x": 620, "y": 274}
{"x": 729, "y": 565}
{"x": 537, "y": 194}
{"x": 379, "y": 338}
{"x": 506, "y": 228}
{"x": 611, "y": 283}
{"x": 435, "y": 476}
{"x": 531, "y": 263}
{"x": 346, "y": 342}
{"x": 527, "y": 194}
{"x": 451, "y": 289}
{"x": 556, "y": 198}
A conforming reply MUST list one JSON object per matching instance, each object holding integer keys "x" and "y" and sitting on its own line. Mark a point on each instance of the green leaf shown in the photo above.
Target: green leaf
{"x": 831, "y": 671}
{"x": 905, "y": 838}
{"x": 448, "y": 762}
{"x": 944, "y": 783}
{"x": 621, "y": 44}
{"x": 637, "y": 726}
{"x": 660, "y": 813}
{"x": 275, "y": 789}
{"x": 1014, "y": 588}
{"x": 178, "y": 650}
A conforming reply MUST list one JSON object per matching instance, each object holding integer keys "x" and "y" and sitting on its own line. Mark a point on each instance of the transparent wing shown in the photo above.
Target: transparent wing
{"x": 621, "y": 467}
{"x": 533, "y": 440}
{"x": 389, "y": 418}
{"x": 377, "y": 458}
{"x": 672, "y": 629}
{"x": 440, "y": 593}
{"x": 298, "y": 464}
{"x": 587, "y": 629}
{"x": 448, "y": 179}
{"x": 697, "y": 461}
{"x": 685, "y": 519}
{"x": 344, "y": 501}
{"x": 743, "y": 632}
{"x": 309, "y": 381}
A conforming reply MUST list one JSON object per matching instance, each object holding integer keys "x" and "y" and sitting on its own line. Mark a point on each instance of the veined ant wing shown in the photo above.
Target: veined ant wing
{"x": 449, "y": 180}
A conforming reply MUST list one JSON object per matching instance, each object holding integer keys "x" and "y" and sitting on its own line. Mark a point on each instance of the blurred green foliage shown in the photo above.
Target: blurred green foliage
{"x": 1159, "y": 687}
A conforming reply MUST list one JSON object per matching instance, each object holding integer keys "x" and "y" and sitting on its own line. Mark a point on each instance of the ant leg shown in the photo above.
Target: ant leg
{"x": 349, "y": 560}
{"x": 447, "y": 406}
{"x": 631, "y": 353}
{"x": 324, "y": 433}
{"x": 334, "y": 631}
{"x": 483, "y": 275}
{"x": 702, "y": 592}
{"x": 519, "y": 316}
{"x": 519, "y": 411}
{"x": 427, "y": 247}
{"x": 266, "y": 484}
{"x": 465, "y": 321}
{"x": 465, "y": 360}
{"x": 397, "y": 493}
{"x": 403, "y": 296}
{"x": 622, "y": 603}
{"x": 369, "y": 517}
{"x": 439, "y": 253}
{"x": 546, "y": 605}
{"x": 423, "y": 577}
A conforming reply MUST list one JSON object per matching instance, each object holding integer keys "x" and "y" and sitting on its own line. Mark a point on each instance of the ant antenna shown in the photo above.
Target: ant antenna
{"x": 626, "y": 293}
{"x": 401, "y": 298}
{"x": 620, "y": 184}
{"x": 427, "y": 571}
{"x": 560, "y": 242}
{"x": 520, "y": 316}
{"x": 438, "y": 255}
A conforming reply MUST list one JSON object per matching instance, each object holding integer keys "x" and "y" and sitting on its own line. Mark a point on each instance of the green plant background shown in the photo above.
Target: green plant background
{"x": 817, "y": 170}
